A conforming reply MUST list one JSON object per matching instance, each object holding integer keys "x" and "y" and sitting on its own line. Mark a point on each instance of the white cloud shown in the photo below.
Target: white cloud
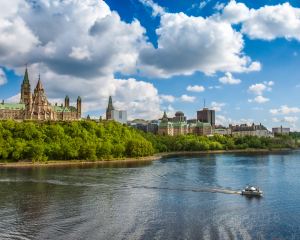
{"x": 79, "y": 30}
{"x": 284, "y": 110}
{"x": 203, "y": 3}
{"x": 260, "y": 88}
{"x": 188, "y": 44}
{"x": 268, "y": 22}
{"x": 235, "y": 12}
{"x": 186, "y": 98}
{"x": 219, "y": 6}
{"x": 229, "y": 79}
{"x": 87, "y": 29}
{"x": 156, "y": 9}
{"x": 3, "y": 78}
{"x": 195, "y": 88}
{"x": 291, "y": 120}
{"x": 14, "y": 99}
{"x": 225, "y": 121}
{"x": 167, "y": 98}
{"x": 217, "y": 106}
{"x": 80, "y": 53}
{"x": 259, "y": 99}
{"x": 139, "y": 98}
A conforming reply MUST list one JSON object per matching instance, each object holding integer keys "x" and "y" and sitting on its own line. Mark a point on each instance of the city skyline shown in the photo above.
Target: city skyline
{"x": 153, "y": 56}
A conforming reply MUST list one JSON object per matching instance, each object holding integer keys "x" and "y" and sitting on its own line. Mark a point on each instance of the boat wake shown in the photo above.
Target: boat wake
{"x": 211, "y": 190}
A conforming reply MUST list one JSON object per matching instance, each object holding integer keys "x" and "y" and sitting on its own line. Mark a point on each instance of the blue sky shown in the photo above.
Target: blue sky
{"x": 242, "y": 57}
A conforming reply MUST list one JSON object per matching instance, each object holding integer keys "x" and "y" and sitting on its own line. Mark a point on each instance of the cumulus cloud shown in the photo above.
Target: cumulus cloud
{"x": 268, "y": 22}
{"x": 287, "y": 119}
{"x": 88, "y": 30}
{"x": 195, "y": 88}
{"x": 217, "y": 106}
{"x": 187, "y": 98}
{"x": 167, "y": 98}
{"x": 259, "y": 88}
{"x": 78, "y": 53}
{"x": 284, "y": 110}
{"x": 259, "y": 99}
{"x": 229, "y": 79}
{"x": 3, "y": 78}
{"x": 188, "y": 44}
{"x": 225, "y": 121}
{"x": 235, "y": 12}
{"x": 13, "y": 99}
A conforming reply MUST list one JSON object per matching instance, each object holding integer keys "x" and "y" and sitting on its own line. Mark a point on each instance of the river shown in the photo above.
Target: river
{"x": 179, "y": 197}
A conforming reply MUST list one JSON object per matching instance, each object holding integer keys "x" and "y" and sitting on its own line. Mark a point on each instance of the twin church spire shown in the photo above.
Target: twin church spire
{"x": 38, "y": 107}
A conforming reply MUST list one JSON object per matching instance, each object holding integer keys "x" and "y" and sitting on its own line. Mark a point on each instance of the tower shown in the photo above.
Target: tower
{"x": 78, "y": 107}
{"x": 165, "y": 117}
{"x": 41, "y": 108}
{"x": 206, "y": 116}
{"x": 25, "y": 89}
{"x": 67, "y": 101}
{"x": 109, "y": 109}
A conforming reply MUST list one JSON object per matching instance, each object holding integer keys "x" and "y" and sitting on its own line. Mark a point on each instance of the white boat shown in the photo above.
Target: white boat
{"x": 252, "y": 191}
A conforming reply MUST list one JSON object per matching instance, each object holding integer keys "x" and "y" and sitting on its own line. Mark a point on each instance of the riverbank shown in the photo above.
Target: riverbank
{"x": 87, "y": 163}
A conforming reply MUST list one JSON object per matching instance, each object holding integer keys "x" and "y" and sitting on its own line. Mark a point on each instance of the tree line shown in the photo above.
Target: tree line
{"x": 89, "y": 140}
{"x": 84, "y": 140}
{"x": 220, "y": 142}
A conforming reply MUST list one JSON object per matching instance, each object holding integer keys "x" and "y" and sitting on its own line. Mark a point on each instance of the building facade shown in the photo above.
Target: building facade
{"x": 206, "y": 116}
{"x": 281, "y": 130}
{"x": 116, "y": 115}
{"x": 252, "y": 130}
{"x": 179, "y": 126}
{"x": 119, "y": 116}
{"x": 35, "y": 106}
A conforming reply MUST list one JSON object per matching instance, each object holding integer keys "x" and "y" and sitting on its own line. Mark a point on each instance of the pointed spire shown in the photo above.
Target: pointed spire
{"x": 110, "y": 106}
{"x": 39, "y": 85}
{"x": 26, "y": 78}
{"x": 165, "y": 114}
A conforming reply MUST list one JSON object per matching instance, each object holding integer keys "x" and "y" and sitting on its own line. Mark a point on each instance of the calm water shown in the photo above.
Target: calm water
{"x": 172, "y": 198}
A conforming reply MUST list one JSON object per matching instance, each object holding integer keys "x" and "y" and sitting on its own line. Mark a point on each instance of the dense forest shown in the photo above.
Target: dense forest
{"x": 89, "y": 140}
{"x": 84, "y": 140}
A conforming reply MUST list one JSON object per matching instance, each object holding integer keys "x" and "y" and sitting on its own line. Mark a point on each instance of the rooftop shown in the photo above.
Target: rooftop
{"x": 12, "y": 106}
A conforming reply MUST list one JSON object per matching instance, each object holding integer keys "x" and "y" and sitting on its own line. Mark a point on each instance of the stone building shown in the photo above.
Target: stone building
{"x": 281, "y": 130}
{"x": 250, "y": 130}
{"x": 165, "y": 127}
{"x": 35, "y": 106}
{"x": 179, "y": 126}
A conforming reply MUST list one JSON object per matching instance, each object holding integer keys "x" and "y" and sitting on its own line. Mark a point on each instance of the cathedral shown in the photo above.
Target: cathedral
{"x": 35, "y": 106}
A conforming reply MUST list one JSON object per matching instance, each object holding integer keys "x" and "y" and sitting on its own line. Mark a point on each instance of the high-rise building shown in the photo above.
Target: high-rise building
{"x": 113, "y": 114}
{"x": 206, "y": 116}
{"x": 119, "y": 116}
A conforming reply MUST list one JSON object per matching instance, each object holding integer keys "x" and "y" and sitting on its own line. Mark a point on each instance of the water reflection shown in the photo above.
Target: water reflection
{"x": 174, "y": 198}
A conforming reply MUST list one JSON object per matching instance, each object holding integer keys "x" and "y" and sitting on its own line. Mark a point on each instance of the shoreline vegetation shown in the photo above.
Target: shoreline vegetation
{"x": 78, "y": 163}
{"x": 29, "y": 143}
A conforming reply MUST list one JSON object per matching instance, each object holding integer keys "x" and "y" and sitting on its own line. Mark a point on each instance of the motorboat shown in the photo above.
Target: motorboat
{"x": 252, "y": 191}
